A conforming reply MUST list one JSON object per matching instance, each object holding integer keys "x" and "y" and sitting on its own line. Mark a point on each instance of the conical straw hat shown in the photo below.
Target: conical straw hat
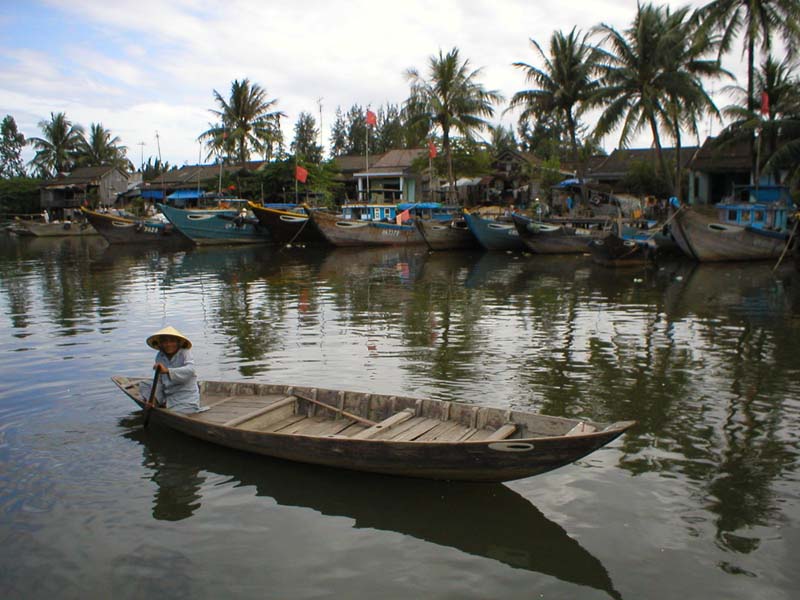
{"x": 152, "y": 341}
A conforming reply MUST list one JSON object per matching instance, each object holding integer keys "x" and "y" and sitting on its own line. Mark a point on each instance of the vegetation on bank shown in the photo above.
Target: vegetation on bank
{"x": 653, "y": 75}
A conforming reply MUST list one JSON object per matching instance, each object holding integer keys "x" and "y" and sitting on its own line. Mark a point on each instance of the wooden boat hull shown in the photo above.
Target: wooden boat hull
{"x": 287, "y": 227}
{"x": 548, "y": 238}
{"x": 66, "y": 229}
{"x": 705, "y": 239}
{"x": 393, "y": 435}
{"x": 494, "y": 234}
{"x": 118, "y": 230}
{"x": 350, "y": 232}
{"x": 613, "y": 251}
{"x": 215, "y": 226}
{"x": 451, "y": 234}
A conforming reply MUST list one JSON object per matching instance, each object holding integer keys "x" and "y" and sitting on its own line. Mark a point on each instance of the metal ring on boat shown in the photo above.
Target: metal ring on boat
{"x": 511, "y": 446}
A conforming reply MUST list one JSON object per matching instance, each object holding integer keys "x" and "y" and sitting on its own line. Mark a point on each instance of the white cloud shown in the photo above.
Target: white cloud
{"x": 146, "y": 65}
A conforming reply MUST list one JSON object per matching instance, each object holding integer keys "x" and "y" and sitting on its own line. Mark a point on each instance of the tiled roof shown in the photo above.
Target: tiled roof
{"x": 398, "y": 159}
{"x": 80, "y": 176}
{"x": 621, "y": 159}
{"x": 717, "y": 157}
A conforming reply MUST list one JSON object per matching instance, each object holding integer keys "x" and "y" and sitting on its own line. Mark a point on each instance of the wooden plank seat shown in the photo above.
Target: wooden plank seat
{"x": 394, "y": 420}
{"x": 289, "y": 402}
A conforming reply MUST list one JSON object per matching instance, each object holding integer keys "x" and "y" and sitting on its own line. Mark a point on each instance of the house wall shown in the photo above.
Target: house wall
{"x": 111, "y": 185}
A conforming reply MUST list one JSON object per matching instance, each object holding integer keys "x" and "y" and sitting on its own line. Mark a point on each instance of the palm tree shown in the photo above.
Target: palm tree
{"x": 647, "y": 73}
{"x": 757, "y": 20}
{"x": 55, "y": 151}
{"x": 687, "y": 64}
{"x": 246, "y": 120}
{"x": 781, "y": 84}
{"x": 566, "y": 85}
{"x": 450, "y": 99}
{"x": 100, "y": 149}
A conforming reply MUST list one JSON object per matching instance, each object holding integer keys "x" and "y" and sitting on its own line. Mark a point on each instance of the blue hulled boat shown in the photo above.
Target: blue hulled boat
{"x": 227, "y": 223}
{"x": 494, "y": 234}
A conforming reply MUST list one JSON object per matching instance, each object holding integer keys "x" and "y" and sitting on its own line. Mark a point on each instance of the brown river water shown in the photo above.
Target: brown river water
{"x": 699, "y": 500}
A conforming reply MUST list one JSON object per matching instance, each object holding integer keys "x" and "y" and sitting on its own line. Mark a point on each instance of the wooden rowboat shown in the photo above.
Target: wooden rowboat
{"x": 394, "y": 435}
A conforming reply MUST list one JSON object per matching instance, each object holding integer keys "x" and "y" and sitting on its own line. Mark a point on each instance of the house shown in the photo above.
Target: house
{"x": 191, "y": 178}
{"x": 716, "y": 169}
{"x": 613, "y": 170}
{"x": 348, "y": 166}
{"x": 84, "y": 185}
{"x": 391, "y": 178}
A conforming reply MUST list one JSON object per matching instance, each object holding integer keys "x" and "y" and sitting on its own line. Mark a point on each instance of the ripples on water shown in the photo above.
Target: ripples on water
{"x": 700, "y": 499}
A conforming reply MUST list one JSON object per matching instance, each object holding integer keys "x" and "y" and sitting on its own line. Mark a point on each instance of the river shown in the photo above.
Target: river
{"x": 699, "y": 500}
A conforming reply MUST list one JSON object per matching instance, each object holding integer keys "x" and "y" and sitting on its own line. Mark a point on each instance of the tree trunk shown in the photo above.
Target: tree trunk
{"x": 581, "y": 167}
{"x": 450, "y": 176}
{"x": 751, "y": 52}
{"x": 660, "y": 154}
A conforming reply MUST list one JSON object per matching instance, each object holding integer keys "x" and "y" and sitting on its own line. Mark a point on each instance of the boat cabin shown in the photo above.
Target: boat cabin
{"x": 763, "y": 207}
{"x": 369, "y": 212}
{"x": 429, "y": 210}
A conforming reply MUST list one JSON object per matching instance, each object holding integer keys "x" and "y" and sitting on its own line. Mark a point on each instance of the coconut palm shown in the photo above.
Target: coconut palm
{"x": 780, "y": 82}
{"x": 645, "y": 76}
{"x": 566, "y": 85}
{"x": 55, "y": 150}
{"x": 246, "y": 120}
{"x": 100, "y": 149}
{"x": 757, "y": 21}
{"x": 692, "y": 58}
{"x": 450, "y": 99}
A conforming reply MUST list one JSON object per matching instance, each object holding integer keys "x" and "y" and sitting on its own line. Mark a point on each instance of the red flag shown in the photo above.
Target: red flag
{"x": 431, "y": 150}
{"x": 300, "y": 174}
{"x": 764, "y": 104}
{"x": 403, "y": 217}
{"x": 372, "y": 118}
{"x": 232, "y": 188}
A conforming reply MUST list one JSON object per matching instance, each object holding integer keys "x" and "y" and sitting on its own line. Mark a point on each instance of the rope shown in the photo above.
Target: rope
{"x": 294, "y": 237}
{"x": 788, "y": 242}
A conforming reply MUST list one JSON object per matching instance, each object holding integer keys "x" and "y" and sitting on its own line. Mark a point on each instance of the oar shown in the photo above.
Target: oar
{"x": 335, "y": 409}
{"x": 152, "y": 400}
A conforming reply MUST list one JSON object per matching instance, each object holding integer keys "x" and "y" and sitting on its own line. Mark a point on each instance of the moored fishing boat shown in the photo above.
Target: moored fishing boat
{"x": 394, "y": 435}
{"x": 121, "y": 230}
{"x": 207, "y": 226}
{"x": 448, "y": 234}
{"x": 756, "y": 230}
{"x": 494, "y": 233}
{"x": 286, "y": 224}
{"x": 341, "y": 231}
{"x": 52, "y": 229}
{"x": 560, "y": 236}
{"x": 616, "y": 251}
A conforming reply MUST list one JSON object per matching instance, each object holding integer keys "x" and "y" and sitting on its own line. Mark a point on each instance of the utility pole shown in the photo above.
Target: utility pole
{"x": 319, "y": 102}
{"x": 141, "y": 154}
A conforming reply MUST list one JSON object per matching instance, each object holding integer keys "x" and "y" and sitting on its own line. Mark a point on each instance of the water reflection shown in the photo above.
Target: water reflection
{"x": 703, "y": 356}
{"x": 487, "y": 520}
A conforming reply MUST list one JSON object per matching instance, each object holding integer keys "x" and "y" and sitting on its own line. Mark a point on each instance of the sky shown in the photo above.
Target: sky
{"x": 147, "y": 69}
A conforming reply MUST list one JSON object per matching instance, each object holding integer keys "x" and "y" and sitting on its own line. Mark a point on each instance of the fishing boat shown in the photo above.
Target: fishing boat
{"x": 52, "y": 229}
{"x": 122, "y": 230}
{"x": 616, "y": 251}
{"x": 494, "y": 233}
{"x": 286, "y": 223}
{"x": 223, "y": 224}
{"x": 560, "y": 236}
{"x": 450, "y": 234}
{"x": 348, "y": 230}
{"x": 748, "y": 230}
{"x": 393, "y": 435}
